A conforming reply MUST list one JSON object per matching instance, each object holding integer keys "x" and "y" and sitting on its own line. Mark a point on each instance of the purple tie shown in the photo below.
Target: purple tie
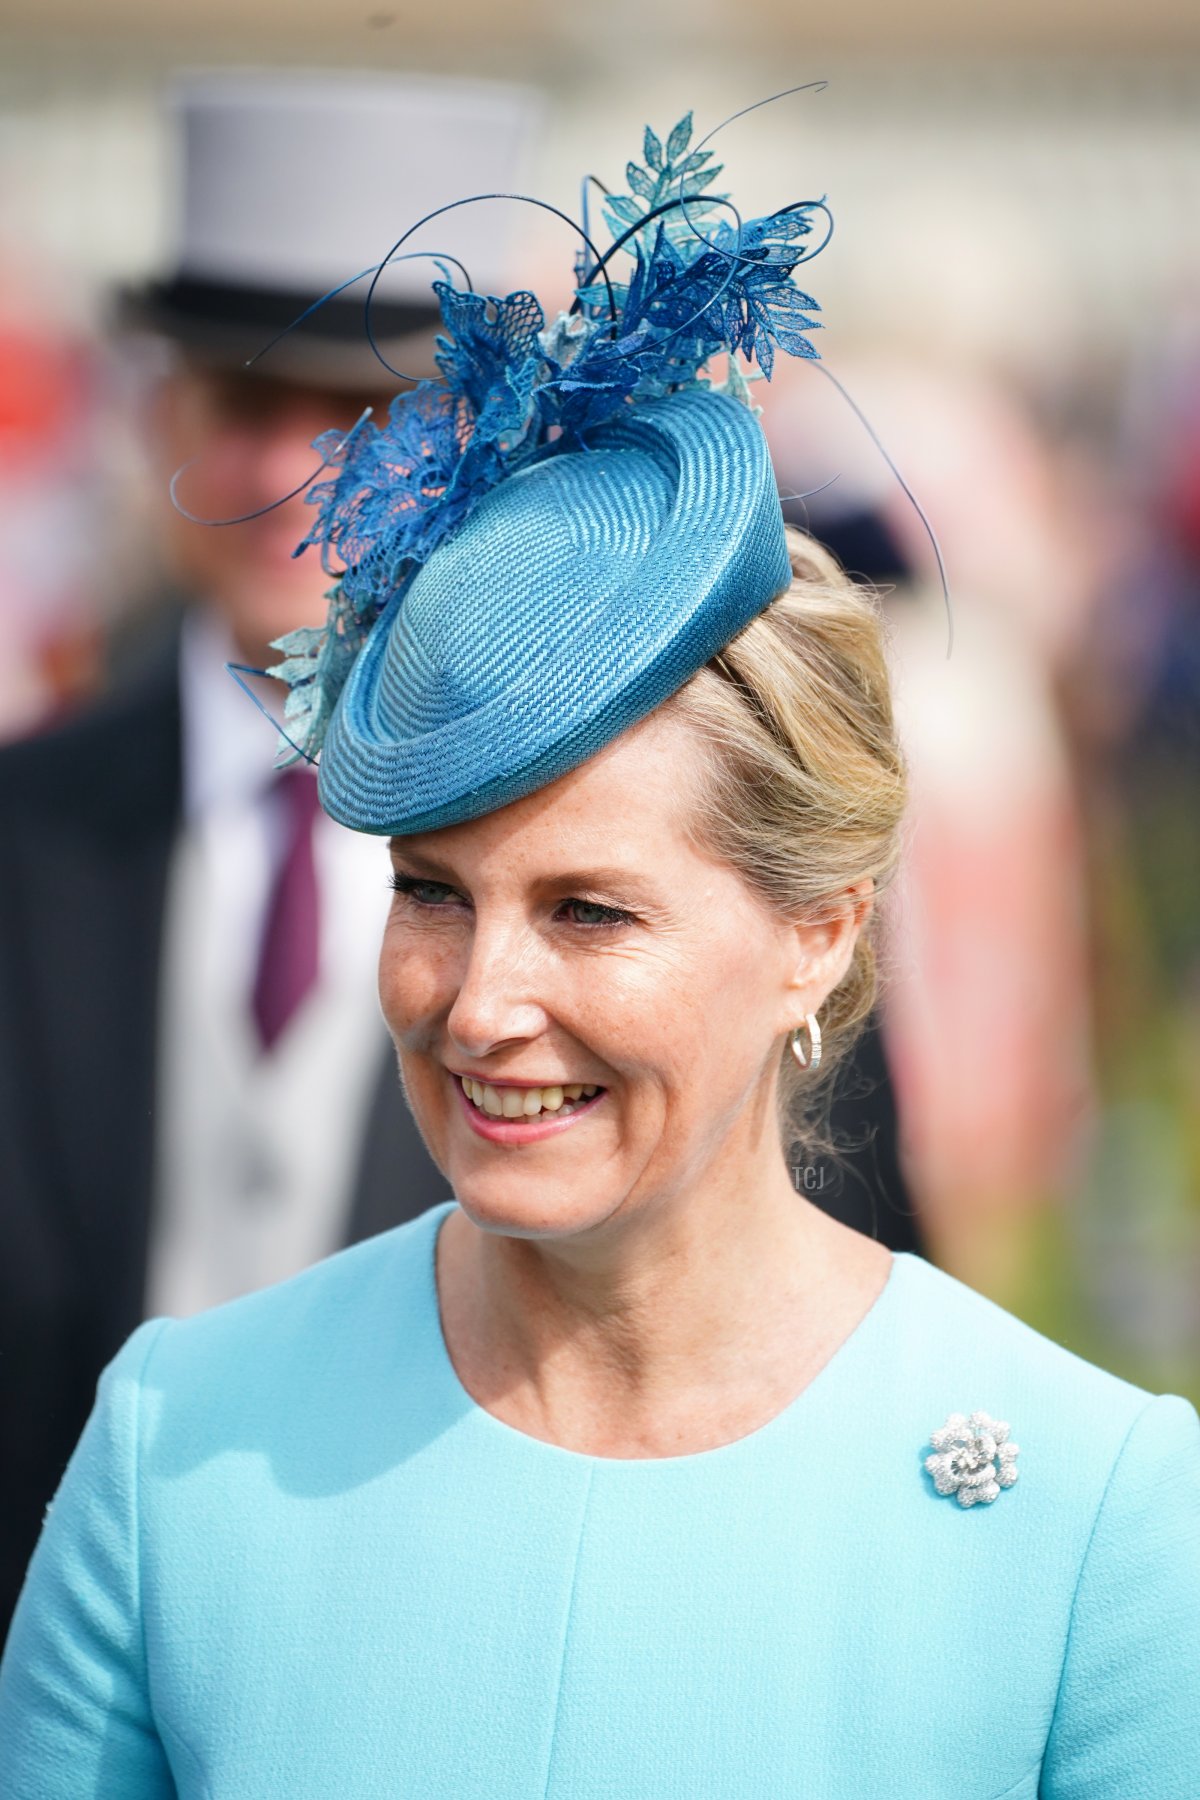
{"x": 288, "y": 954}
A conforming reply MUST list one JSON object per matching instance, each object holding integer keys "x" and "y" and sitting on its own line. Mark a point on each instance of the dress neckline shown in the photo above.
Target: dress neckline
{"x": 852, "y": 1347}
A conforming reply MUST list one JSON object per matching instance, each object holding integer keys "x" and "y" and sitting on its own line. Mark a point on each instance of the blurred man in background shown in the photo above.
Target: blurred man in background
{"x": 197, "y": 1094}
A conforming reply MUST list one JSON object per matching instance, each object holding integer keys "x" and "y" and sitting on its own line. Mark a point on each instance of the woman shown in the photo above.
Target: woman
{"x": 626, "y": 1471}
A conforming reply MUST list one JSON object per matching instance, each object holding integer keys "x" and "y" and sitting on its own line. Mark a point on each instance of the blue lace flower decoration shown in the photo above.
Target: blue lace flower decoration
{"x": 515, "y": 388}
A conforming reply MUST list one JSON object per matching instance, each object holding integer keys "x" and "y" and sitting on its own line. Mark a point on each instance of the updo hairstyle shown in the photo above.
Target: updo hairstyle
{"x": 805, "y": 786}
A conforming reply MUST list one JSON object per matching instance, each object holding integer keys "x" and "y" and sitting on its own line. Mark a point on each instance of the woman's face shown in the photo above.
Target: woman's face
{"x": 588, "y": 1008}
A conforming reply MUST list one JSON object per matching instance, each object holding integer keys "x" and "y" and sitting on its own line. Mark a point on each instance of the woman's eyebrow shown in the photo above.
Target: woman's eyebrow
{"x": 400, "y": 850}
{"x": 623, "y": 881}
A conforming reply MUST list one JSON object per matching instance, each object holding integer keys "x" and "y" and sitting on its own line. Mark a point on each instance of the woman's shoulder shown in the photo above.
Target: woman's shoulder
{"x": 955, "y": 1351}
{"x": 370, "y": 1304}
{"x": 944, "y": 1326}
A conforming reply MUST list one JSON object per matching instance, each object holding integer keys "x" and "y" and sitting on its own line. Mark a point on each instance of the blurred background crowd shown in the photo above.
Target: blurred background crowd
{"x": 1012, "y": 299}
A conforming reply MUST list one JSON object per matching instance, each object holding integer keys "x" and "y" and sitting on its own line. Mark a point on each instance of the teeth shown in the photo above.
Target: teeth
{"x": 517, "y": 1103}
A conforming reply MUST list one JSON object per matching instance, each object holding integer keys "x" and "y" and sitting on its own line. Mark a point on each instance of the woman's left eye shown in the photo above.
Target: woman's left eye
{"x": 590, "y": 912}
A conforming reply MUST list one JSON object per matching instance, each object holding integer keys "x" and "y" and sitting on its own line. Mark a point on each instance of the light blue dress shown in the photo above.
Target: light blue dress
{"x": 292, "y": 1557}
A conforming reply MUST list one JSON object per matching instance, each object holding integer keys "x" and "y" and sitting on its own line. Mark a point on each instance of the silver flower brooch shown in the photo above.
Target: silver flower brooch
{"x": 972, "y": 1458}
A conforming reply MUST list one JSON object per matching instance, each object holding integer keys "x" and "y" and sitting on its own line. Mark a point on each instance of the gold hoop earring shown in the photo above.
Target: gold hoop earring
{"x": 814, "y": 1035}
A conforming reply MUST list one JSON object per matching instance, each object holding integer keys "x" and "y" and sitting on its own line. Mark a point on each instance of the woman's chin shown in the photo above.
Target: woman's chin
{"x": 513, "y": 1203}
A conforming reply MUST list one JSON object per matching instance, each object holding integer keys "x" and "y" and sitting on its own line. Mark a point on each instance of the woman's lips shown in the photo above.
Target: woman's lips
{"x": 522, "y": 1130}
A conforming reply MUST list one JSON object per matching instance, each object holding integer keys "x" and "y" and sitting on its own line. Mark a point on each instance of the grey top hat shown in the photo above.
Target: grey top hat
{"x": 292, "y": 182}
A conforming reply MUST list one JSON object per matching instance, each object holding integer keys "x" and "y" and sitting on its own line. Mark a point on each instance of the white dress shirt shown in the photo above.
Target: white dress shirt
{"x": 256, "y": 1154}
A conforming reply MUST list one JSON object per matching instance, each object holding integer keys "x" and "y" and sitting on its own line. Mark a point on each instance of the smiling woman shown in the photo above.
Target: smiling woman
{"x": 537, "y": 999}
{"x": 626, "y": 1470}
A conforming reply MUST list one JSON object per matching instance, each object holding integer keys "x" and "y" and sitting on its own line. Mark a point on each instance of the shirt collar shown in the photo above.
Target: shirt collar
{"x": 228, "y": 746}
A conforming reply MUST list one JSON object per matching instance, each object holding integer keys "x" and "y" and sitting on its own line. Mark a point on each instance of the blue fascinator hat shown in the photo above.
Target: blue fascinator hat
{"x": 537, "y": 550}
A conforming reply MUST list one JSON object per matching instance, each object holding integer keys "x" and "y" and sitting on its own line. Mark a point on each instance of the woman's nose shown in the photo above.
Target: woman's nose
{"x": 497, "y": 1002}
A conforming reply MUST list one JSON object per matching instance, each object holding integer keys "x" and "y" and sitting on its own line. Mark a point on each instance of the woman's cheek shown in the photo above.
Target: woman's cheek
{"x": 416, "y": 981}
{"x": 635, "y": 1015}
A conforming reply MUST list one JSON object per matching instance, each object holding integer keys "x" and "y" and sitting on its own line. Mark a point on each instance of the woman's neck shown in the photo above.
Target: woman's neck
{"x": 685, "y": 1325}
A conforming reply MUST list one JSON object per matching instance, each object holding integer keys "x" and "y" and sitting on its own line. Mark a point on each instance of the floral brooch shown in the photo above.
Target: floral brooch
{"x": 972, "y": 1458}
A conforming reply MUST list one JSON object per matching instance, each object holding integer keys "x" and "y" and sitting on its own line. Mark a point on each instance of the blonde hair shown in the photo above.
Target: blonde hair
{"x": 805, "y": 788}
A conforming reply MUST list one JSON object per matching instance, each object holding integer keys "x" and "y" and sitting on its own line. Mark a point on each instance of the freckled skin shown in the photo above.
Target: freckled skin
{"x": 614, "y": 1237}
{"x": 679, "y": 1013}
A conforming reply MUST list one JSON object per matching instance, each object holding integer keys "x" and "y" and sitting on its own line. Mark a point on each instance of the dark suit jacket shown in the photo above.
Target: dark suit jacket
{"x": 88, "y": 817}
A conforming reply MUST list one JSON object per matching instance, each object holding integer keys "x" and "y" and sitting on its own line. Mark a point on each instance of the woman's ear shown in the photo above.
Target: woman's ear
{"x": 825, "y": 941}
